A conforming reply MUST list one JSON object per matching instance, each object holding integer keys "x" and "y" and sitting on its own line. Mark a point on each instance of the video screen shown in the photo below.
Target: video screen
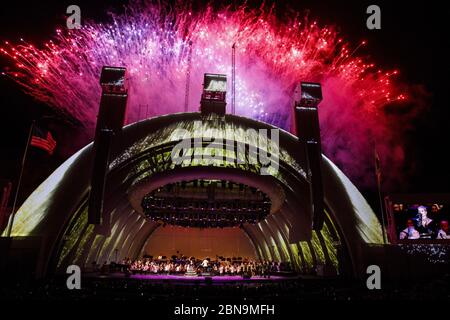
{"x": 215, "y": 82}
{"x": 421, "y": 221}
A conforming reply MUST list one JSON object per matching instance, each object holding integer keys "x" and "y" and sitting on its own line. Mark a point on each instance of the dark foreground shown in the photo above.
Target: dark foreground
{"x": 167, "y": 289}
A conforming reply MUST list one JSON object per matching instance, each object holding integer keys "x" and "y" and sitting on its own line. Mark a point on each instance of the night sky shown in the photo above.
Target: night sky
{"x": 412, "y": 39}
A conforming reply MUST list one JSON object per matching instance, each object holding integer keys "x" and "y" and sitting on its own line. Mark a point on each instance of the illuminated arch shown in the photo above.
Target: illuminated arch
{"x": 57, "y": 209}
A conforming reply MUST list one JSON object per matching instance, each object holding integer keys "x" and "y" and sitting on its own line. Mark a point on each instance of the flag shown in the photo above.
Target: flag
{"x": 43, "y": 139}
{"x": 377, "y": 167}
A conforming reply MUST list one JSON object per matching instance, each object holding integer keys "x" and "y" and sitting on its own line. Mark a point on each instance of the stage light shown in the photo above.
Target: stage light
{"x": 202, "y": 213}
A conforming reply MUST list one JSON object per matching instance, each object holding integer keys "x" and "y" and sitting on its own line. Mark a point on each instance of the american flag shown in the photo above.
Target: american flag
{"x": 43, "y": 139}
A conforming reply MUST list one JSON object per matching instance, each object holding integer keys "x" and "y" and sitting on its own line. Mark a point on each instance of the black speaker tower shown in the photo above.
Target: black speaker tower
{"x": 307, "y": 97}
{"x": 213, "y": 99}
{"x": 110, "y": 120}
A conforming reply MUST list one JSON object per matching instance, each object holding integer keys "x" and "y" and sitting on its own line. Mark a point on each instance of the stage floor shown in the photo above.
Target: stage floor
{"x": 202, "y": 278}
{"x": 190, "y": 279}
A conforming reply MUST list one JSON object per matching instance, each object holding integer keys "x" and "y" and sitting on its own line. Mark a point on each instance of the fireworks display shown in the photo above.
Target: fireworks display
{"x": 154, "y": 44}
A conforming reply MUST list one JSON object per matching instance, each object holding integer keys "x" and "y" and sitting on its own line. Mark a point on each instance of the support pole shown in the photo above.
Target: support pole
{"x": 13, "y": 213}
{"x": 233, "y": 79}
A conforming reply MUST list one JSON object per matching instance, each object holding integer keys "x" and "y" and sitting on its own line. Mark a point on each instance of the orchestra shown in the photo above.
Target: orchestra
{"x": 217, "y": 267}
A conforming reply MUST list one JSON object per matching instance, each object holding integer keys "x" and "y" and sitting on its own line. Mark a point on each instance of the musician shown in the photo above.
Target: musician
{"x": 424, "y": 224}
{"x": 410, "y": 232}
{"x": 443, "y": 231}
{"x": 265, "y": 269}
{"x": 191, "y": 266}
{"x": 435, "y": 208}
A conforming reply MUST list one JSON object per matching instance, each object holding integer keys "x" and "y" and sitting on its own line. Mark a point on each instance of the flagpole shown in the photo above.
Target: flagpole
{"x": 382, "y": 211}
{"x": 13, "y": 213}
{"x": 378, "y": 176}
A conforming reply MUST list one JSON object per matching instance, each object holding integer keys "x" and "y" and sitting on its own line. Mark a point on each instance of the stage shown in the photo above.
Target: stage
{"x": 201, "y": 279}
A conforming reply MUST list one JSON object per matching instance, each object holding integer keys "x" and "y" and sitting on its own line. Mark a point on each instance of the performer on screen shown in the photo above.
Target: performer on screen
{"x": 443, "y": 231}
{"x": 410, "y": 232}
{"x": 424, "y": 224}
